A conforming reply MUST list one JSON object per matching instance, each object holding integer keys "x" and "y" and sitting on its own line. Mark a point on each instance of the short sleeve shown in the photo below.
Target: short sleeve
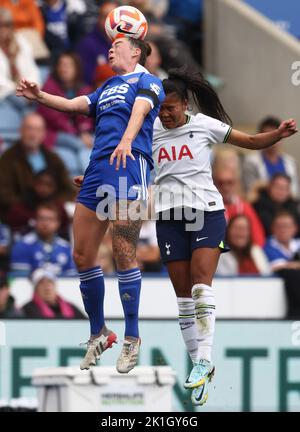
{"x": 150, "y": 88}
{"x": 219, "y": 132}
{"x": 92, "y": 100}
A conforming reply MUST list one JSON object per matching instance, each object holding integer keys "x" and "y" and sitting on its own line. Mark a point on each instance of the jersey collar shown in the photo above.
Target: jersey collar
{"x": 138, "y": 69}
{"x": 188, "y": 120}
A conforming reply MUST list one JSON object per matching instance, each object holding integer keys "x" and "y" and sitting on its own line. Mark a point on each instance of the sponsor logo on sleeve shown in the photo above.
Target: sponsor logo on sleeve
{"x": 155, "y": 88}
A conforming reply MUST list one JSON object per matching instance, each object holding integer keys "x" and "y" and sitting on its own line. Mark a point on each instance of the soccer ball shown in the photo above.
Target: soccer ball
{"x": 126, "y": 21}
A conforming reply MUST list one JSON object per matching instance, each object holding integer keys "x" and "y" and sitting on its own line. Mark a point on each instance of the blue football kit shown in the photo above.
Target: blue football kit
{"x": 111, "y": 105}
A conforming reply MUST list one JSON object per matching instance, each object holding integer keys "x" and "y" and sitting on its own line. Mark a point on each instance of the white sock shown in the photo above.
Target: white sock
{"x": 205, "y": 316}
{"x": 186, "y": 308}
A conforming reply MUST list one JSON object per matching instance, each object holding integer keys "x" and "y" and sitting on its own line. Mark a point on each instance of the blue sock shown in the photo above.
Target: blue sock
{"x": 92, "y": 291}
{"x": 129, "y": 289}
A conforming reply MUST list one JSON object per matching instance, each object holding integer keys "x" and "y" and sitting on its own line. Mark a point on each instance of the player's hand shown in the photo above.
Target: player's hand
{"x": 121, "y": 152}
{"x": 288, "y": 128}
{"x": 30, "y": 90}
{"x": 78, "y": 180}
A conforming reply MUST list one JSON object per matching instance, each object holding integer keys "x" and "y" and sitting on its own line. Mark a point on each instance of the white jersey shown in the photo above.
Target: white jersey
{"x": 182, "y": 160}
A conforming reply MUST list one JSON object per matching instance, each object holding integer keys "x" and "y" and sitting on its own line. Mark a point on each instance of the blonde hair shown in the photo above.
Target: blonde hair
{"x": 227, "y": 159}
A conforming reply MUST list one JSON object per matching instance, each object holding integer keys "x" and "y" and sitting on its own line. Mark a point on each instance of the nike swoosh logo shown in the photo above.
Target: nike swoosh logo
{"x": 120, "y": 30}
{"x": 185, "y": 328}
{"x": 202, "y": 238}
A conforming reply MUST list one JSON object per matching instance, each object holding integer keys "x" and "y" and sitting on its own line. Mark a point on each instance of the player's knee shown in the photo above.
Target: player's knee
{"x": 82, "y": 261}
{"x": 203, "y": 276}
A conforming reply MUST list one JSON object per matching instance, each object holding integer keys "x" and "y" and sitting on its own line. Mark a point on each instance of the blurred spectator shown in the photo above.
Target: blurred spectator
{"x": 228, "y": 184}
{"x": 261, "y": 166}
{"x": 7, "y": 302}
{"x": 5, "y": 241}
{"x": 71, "y": 135}
{"x": 276, "y": 197}
{"x": 19, "y": 164}
{"x": 283, "y": 252}
{"x": 189, "y": 11}
{"x": 155, "y": 8}
{"x": 46, "y": 303}
{"x": 244, "y": 257}
{"x": 56, "y": 22}
{"x": 26, "y": 14}
{"x": 63, "y": 20}
{"x": 28, "y": 22}
{"x": 148, "y": 255}
{"x": 282, "y": 248}
{"x": 93, "y": 48}
{"x": 44, "y": 189}
{"x": 227, "y": 158}
{"x": 174, "y": 53}
{"x": 153, "y": 62}
{"x": 89, "y": 19}
{"x": 187, "y": 17}
{"x": 16, "y": 61}
{"x": 43, "y": 247}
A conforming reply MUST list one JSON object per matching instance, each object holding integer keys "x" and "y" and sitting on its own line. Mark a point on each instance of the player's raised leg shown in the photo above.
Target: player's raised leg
{"x": 125, "y": 237}
{"x": 203, "y": 266}
{"x": 179, "y": 272}
{"x": 88, "y": 234}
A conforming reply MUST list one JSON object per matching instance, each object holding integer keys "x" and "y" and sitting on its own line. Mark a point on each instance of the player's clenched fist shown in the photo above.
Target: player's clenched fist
{"x": 288, "y": 128}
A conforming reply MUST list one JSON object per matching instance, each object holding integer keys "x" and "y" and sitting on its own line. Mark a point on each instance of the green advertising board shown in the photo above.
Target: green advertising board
{"x": 257, "y": 362}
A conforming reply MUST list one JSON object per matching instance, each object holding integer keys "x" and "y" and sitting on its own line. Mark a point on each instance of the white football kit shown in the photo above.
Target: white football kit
{"x": 182, "y": 161}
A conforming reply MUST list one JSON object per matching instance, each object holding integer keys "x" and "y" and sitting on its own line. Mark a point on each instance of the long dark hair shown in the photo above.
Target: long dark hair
{"x": 181, "y": 80}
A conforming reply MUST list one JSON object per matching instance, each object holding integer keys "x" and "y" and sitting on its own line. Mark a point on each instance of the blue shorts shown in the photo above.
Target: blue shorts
{"x": 102, "y": 181}
{"x": 177, "y": 244}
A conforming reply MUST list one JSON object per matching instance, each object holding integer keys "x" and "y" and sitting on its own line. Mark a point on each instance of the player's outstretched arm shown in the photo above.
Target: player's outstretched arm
{"x": 30, "y": 90}
{"x": 263, "y": 140}
{"x": 139, "y": 111}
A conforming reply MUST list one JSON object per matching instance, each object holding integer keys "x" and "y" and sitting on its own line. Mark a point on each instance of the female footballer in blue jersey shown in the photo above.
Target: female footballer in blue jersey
{"x": 182, "y": 154}
{"x": 125, "y": 108}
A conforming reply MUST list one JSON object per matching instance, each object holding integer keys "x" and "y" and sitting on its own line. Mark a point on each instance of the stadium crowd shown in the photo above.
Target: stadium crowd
{"x": 61, "y": 44}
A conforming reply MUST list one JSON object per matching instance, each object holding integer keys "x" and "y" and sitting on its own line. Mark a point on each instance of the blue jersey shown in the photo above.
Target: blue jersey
{"x": 56, "y": 19}
{"x": 112, "y": 105}
{"x": 31, "y": 253}
{"x": 278, "y": 254}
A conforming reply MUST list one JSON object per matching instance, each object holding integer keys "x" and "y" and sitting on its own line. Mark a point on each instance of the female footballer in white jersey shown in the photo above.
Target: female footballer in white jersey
{"x": 184, "y": 187}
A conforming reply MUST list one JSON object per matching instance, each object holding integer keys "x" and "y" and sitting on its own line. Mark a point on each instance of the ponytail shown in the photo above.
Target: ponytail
{"x": 180, "y": 80}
